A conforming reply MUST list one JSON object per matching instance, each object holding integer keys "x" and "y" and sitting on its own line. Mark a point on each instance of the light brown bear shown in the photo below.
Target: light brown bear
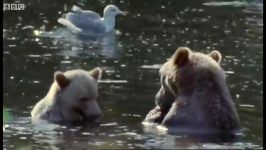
{"x": 71, "y": 98}
{"x": 194, "y": 93}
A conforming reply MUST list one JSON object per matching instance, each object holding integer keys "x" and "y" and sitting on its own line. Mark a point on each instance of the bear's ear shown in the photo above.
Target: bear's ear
{"x": 181, "y": 56}
{"x": 96, "y": 73}
{"x": 216, "y": 55}
{"x": 61, "y": 79}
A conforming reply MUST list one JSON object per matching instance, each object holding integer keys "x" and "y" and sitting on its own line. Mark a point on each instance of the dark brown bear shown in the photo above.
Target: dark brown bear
{"x": 194, "y": 93}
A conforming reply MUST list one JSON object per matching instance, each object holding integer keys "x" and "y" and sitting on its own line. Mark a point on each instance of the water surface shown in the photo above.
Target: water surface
{"x": 131, "y": 56}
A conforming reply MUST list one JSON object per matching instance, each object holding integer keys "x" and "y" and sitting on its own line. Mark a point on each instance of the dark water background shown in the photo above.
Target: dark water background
{"x": 148, "y": 35}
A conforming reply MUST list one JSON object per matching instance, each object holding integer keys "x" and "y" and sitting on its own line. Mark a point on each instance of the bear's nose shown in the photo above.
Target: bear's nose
{"x": 97, "y": 116}
{"x": 94, "y": 117}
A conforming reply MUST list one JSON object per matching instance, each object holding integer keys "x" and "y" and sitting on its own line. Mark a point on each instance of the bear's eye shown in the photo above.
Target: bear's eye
{"x": 83, "y": 99}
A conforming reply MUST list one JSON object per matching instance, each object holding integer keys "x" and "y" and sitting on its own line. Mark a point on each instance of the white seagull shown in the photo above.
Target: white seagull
{"x": 87, "y": 21}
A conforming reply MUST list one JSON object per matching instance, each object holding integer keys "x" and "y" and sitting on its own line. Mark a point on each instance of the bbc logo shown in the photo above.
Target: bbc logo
{"x": 13, "y": 6}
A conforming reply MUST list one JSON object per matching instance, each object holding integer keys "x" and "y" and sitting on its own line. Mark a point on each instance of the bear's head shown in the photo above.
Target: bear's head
{"x": 76, "y": 94}
{"x": 183, "y": 70}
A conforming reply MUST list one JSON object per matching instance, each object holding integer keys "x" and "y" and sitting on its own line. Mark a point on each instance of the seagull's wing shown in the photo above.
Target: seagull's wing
{"x": 68, "y": 24}
{"x": 95, "y": 26}
{"x": 85, "y": 13}
{"x": 91, "y": 14}
{"x": 81, "y": 21}
{"x": 76, "y": 8}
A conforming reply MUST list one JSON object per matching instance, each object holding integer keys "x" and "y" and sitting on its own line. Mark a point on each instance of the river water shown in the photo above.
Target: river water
{"x": 131, "y": 56}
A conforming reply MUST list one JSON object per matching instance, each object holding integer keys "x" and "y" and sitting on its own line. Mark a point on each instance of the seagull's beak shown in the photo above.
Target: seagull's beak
{"x": 124, "y": 13}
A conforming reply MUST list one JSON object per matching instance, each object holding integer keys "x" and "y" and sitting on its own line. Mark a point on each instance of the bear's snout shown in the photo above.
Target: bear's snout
{"x": 88, "y": 115}
{"x": 93, "y": 117}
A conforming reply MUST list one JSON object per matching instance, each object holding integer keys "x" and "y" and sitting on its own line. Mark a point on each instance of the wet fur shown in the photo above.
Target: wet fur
{"x": 201, "y": 96}
{"x": 62, "y": 102}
